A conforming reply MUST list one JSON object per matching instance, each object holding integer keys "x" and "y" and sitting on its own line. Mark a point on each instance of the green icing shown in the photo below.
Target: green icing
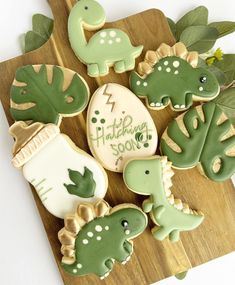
{"x": 49, "y": 101}
{"x": 145, "y": 177}
{"x": 204, "y": 143}
{"x": 84, "y": 185}
{"x": 181, "y": 275}
{"x": 174, "y": 81}
{"x": 108, "y": 47}
{"x": 105, "y": 240}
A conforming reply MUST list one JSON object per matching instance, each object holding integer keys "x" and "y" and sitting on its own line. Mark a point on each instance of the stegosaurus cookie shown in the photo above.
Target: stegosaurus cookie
{"x": 170, "y": 76}
{"x": 97, "y": 235}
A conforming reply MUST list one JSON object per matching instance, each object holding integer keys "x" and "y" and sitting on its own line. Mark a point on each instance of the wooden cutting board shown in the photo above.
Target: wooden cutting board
{"x": 152, "y": 260}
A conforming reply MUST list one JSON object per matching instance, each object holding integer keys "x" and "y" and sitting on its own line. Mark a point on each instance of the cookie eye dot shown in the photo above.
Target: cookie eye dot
{"x": 203, "y": 79}
{"x": 124, "y": 224}
{"x": 147, "y": 172}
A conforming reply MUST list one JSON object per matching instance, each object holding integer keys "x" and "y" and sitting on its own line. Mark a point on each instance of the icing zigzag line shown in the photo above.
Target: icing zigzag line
{"x": 108, "y": 102}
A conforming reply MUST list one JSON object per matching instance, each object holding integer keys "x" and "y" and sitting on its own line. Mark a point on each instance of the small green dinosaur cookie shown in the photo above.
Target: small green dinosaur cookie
{"x": 97, "y": 235}
{"x": 106, "y": 48}
{"x": 169, "y": 76}
{"x": 152, "y": 176}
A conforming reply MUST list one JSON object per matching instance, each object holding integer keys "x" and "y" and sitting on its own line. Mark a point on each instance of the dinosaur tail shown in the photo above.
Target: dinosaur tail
{"x": 137, "y": 84}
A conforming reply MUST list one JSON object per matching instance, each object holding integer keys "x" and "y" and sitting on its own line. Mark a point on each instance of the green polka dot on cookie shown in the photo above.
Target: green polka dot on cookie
{"x": 139, "y": 136}
{"x": 97, "y": 112}
{"x": 94, "y": 120}
{"x": 149, "y": 137}
{"x": 102, "y": 121}
{"x": 146, "y": 145}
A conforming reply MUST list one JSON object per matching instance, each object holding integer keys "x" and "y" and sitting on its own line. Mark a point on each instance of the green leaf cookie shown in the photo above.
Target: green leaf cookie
{"x": 45, "y": 93}
{"x": 224, "y": 28}
{"x": 203, "y": 135}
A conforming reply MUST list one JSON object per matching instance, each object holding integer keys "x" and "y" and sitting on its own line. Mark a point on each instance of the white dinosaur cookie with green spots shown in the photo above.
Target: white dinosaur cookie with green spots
{"x": 96, "y": 236}
{"x": 62, "y": 174}
{"x": 119, "y": 127}
{"x": 152, "y": 177}
{"x": 106, "y": 48}
{"x": 170, "y": 76}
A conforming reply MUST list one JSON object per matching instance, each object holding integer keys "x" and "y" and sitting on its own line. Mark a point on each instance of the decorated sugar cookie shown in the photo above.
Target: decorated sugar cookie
{"x": 96, "y": 236}
{"x": 46, "y": 93}
{"x": 62, "y": 174}
{"x": 119, "y": 127}
{"x": 152, "y": 177}
{"x": 170, "y": 76}
{"x": 108, "y": 47}
{"x": 204, "y": 136}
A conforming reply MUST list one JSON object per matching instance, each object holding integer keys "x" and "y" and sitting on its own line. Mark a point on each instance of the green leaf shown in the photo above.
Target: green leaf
{"x": 196, "y": 17}
{"x": 42, "y": 25}
{"x": 44, "y": 101}
{"x": 33, "y": 41}
{"x": 226, "y": 102}
{"x": 199, "y": 38}
{"x": 181, "y": 275}
{"x": 224, "y": 28}
{"x": 203, "y": 144}
{"x": 227, "y": 65}
{"x": 219, "y": 74}
{"x": 172, "y": 26}
{"x": 84, "y": 185}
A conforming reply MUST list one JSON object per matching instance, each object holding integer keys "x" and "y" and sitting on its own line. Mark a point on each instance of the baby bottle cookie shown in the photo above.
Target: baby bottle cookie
{"x": 96, "y": 236}
{"x": 108, "y": 47}
{"x": 119, "y": 127}
{"x": 46, "y": 93}
{"x": 152, "y": 177}
{"x": 62, "y": 174}
{"x": 170, "y": 76}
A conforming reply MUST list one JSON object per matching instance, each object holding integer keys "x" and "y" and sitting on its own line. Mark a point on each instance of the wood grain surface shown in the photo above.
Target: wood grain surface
{"x": 152, "y": 260}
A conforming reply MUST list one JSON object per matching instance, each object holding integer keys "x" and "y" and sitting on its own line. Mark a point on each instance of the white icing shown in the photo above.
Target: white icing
{"x": 79, "y": 265}
{"x": 168, "y": 69}
{"x": 177, "y": 106}
{"x": 102, "y": 41}
{"x": 111, "y": 108}
{"x": 127, "y": 232}
{"x": 138, "y": 83}
{"x": 158, "y": 104}
{"x": 98, "y": 228}
{"x": 103, "y": 34}
{"x": 159, "y": 68}
{"x": 118, "y": 40}
{"x": 110, "y": 42}
{"x": 106, "y": 228}
{"x": 176, "y": 63}
{"x": 152, "y": 104}
{"x": 112, "y": 34}
{"x": 166, "y": 62}
{"x": 85, "y": 241}
{"x": 200, "y": 88}
{"x": 90, "y": 234}
{"x": 98, "y": 238}
{"x": 182, "y": 106}
{"x": 48, "y": 170}
{"x": 145, "y": 84}
{"x": 176, "y": 72}
{"x": 75, "y": 271}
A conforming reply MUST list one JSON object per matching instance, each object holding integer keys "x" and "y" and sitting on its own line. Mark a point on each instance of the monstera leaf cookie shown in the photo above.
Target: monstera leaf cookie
{"x": 46, "y": 93}
{"x": 96, "y": 236}
{"x": 152, "y": 177}
{"x": 170, "y": 76}
{"x": 203, "y": 136}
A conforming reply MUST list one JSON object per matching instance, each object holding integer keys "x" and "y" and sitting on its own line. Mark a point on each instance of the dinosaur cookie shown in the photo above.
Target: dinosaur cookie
{"x": 170, "y": 76}
{"x": 62, "y": 174}
{"x": 106, "y": 48}
{"x": 46, "y": 93}
{"x": 96, "y": 236}
{"x": 203, "y": 136}
{"x": 152, "y": 177}
{"x": 119, "y": 127}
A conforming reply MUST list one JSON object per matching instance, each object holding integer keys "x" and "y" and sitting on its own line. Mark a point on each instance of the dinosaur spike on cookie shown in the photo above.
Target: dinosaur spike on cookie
{"x": 151, "y": 57}
{"x": 67, "y": 250}
{"x": 86, "y": 212}
{"x": 171, "y": 199}
{"x": 164, "y": 50}
{"x": 68, "y": 260}
{"x": 66, "y": 238}
{"x": 144, "y": 68}
{"x": 178, "y": 204}
{"x": 192, "y": 58}
{"x": 71, "y": 224}
{"x": 180, "y": 50}
{"x": 101, "y": 208}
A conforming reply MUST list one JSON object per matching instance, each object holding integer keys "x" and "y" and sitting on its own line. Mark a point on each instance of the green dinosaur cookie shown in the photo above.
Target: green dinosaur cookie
{"x": 46, "y": 93}
{"x": 108, "y": 47}
{"x": 97, "y": 236}
{"x": 170, "y": 76}
{"x": 152, "y": 176}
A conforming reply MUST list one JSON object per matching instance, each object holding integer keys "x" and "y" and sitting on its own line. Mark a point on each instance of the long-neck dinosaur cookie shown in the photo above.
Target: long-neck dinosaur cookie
{"x": 170, "y": 76}
{"x": 96, "y": 236}
{"x": 205, "y": 137}
{"x": 119, "y": 127}
{"x": 46, "y": 93}
{"x": 62, "y": 174}
{"x": 152, "y": 176}
{"x": 106, "y": 48}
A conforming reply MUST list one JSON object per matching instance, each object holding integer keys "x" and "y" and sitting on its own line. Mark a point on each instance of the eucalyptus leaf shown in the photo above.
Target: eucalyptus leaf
{"x": 227, "y": 65}
{"x": 219, "y": 74}
{"x": 42, "y": 25}
{"x": 224, "y": 28}
{"x": 195, "y": 17}
{"x": 199, "y": 38}
{"x": 172, "y": 26}
{"x": 33, "y": 41}
{"x": 226, "y": 102}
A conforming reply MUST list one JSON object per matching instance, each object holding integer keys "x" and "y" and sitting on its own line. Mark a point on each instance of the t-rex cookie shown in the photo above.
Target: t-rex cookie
{"x": 46, "y": 93}
{"x": 205, "y": 137}
{"x": 119, "y": 127}
{"x": 169, "y": 76}
{"x": 106, "y": 48}
{"x": 96, "y": 236}
{"x": 152, "y": 176}
{"x": 62, "y": 174}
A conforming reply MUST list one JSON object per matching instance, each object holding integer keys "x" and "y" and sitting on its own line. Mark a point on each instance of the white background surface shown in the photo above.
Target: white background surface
{"x": 26, "y": 257}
